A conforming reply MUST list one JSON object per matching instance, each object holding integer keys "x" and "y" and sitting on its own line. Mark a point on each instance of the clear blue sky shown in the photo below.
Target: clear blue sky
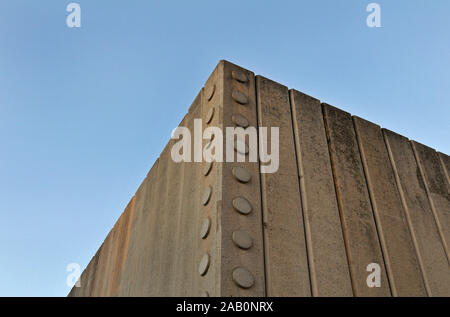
{"x": 84, "y": 113}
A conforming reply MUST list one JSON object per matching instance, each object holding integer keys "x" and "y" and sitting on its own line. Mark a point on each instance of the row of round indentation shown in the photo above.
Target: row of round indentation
{"x": 206, "y": 225}
{"x": 210, "y": 114}
{"x": 241, "y": 276}
{"x": 206, "y": 197}
{"x": 237, "y": 95}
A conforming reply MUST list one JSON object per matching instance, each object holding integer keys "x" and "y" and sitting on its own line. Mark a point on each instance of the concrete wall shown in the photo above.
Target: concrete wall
{"x": 347, "y": 193}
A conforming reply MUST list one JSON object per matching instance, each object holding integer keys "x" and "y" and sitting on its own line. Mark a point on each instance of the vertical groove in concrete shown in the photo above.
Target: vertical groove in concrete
{"x": 437, "y": 189}
{"x": 240, "y": 82}
{"x": 430, "y": 250}
{"x": 327, "y": 255}
{"x": 407, "y": 212}
{"x": 354, "y": 203}
{"x": 391, "y": 281}
{"x": 266, "y": 260}
{"x": 397, "y": 245}
{"x": 313, "y": 283}
{"x": 339, "y": 201}
{"x": 285, "y": 246}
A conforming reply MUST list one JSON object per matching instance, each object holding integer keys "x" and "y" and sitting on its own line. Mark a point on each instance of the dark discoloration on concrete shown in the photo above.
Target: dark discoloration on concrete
{"x": 428, "y": 243}
{"x": 328, "y": 265}
{"x": 405, "y": 275}
{"x": 437, "y": 187}
{"x": 363, "y": 246}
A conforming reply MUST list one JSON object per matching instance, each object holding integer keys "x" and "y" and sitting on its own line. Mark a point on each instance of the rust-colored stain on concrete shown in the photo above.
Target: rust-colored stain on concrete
{"x": 347, "y": 194}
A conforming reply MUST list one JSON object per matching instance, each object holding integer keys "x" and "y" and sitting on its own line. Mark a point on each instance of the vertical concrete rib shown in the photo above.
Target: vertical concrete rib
{"x": 327, "y": 256}
{"x": 397, "y": 244}
{"x": 437, "y": 189}
{"x": 430, "y": 250}
{"x": 242, "y": 269}
{"x": 285, "y": 247}
{"x": 360, "y": 234}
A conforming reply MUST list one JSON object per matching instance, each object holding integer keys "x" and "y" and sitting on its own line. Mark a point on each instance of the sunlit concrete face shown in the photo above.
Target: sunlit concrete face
{"x": 351, "y": 210}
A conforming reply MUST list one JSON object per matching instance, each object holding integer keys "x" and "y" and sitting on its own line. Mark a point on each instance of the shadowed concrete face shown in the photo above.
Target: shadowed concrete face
{"x": 352, "y": 210}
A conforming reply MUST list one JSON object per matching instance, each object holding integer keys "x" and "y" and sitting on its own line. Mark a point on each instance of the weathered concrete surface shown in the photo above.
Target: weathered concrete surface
{"x": 135, "y": 280}
{"x": 425, "y": 233}
{"x": 328, "y": 265}
{"x": 437, "y": 187}
{"x": 104, "y": 273}
{"x": 287, "y": 271}
{"x": 189, "y": 221}
{"x": 358, "y": 223}
{"x": 345, "y": 195}
{"x": 405, "y": 276}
